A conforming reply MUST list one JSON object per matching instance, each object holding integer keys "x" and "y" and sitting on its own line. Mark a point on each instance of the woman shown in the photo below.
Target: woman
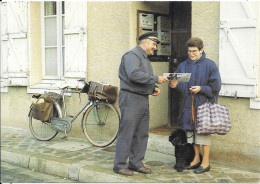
{"x": 204, "y": 84}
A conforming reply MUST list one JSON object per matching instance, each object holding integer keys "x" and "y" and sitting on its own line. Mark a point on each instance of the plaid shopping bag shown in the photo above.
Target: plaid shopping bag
{"x": 212, "y": 118}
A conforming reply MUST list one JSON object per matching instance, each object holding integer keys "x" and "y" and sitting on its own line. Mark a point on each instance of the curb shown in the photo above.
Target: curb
{"x": 61, "y": 167}
{"x": 19, "y": 159}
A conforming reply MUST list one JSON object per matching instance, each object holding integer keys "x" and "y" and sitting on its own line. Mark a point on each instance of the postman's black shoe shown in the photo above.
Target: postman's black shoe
{"x": 201, "y": 170}
{"x": 126, "y": 172}
{"x": 193, "y": 166}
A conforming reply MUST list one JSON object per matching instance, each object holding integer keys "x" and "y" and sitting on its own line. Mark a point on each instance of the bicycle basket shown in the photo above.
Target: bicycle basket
{"x": 103, "y": 92}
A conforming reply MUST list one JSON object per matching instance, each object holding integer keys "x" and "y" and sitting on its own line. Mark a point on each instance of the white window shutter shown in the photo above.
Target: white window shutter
{"x": 4, "y": 50}
{"x": 239, "y": 48}
{"x": 75, "y": 33}
{"x": 14, "y": 48}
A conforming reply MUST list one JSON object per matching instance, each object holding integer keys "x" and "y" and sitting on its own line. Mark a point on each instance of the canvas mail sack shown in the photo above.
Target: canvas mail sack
{"x": 102, "y": 91}
{"x": 42, "y": 109}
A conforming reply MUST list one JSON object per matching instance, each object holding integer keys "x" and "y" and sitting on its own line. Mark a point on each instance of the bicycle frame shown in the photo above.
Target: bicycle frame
{"x": 64, "y": 105}
{"x": 103, "y": 114}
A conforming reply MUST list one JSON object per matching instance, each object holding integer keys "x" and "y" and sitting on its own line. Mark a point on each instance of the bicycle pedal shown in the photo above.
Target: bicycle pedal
{"x": 64, "y": 137}
{"x": 70, "y": 116}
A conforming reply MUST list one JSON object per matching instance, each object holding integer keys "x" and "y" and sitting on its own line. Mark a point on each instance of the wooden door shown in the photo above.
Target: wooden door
{"x": 180, "y": 14}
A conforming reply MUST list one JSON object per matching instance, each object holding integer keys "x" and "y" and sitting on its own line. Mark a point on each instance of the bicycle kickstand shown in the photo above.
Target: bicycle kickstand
{"x": 65, "y": 131}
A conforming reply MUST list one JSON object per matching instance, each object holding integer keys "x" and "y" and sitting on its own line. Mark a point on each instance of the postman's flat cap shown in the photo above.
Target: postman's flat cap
{"x": 152, "y": 35}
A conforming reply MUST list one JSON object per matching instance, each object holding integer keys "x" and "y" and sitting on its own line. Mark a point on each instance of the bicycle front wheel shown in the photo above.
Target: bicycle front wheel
{"x": 101, "y": 124}
{"x": 42, "y": 130}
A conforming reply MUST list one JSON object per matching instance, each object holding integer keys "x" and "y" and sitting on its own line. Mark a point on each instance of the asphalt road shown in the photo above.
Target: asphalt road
{"x": 15, "y": 174}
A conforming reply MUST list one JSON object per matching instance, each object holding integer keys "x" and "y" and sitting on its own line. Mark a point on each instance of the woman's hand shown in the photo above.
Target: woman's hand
{"x": 195, "y": 89}
{"x": 173, "y": 83}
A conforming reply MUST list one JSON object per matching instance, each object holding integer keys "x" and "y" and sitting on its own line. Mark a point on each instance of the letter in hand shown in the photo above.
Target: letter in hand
{"x": 162, "y": 79}
{"x": 173, "y": 83}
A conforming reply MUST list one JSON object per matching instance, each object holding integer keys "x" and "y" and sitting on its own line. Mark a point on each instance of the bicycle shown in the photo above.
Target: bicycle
{"x": 100, "y": 121}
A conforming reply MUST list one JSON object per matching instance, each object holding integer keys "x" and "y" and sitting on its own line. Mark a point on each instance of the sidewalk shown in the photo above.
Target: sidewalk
{"x": 77, "y": 159}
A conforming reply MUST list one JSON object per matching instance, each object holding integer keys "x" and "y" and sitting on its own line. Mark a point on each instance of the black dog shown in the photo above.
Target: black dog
{"x": 184, "y": 152}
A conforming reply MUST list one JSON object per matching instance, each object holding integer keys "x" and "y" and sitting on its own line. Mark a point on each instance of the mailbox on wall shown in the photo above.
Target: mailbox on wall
{"x": 163, "y": 23}
{"x": 164, "y": 50}
{"x": 149, "y": 21}
{"x": 164, "y": 34}
{"x": 164, "y": 37}
{"x": 146, "y": 21}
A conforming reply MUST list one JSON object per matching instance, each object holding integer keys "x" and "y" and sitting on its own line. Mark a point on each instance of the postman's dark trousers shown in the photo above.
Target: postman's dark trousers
{"x": 134, "y": 131}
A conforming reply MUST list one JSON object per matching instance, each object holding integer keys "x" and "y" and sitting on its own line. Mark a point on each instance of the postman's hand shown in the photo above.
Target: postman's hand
{"x": 156, "y": 92}
{"x": 173, "y": 83}
{"x": 162, "y": 79}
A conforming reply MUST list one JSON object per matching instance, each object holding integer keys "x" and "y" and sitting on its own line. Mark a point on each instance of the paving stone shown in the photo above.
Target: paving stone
{"x": 209, "y": 180}
{"x": 173, "y": 181}
{"x": 69, "y": 146}
{"x": 236, "y": 175}
{"x": 246, "y": 180}
{"x": 224, "y": 180}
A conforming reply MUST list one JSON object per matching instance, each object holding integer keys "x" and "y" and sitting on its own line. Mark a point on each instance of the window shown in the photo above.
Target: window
{"x": 53, "y": 39}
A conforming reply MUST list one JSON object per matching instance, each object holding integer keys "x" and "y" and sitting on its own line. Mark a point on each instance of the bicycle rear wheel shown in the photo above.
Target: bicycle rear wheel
{"x": 101, "y": 124}
{"x": 42, "y": 130}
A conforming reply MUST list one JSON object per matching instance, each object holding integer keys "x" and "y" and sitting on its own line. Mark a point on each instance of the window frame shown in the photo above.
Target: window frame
{"x": 59, "y": 46}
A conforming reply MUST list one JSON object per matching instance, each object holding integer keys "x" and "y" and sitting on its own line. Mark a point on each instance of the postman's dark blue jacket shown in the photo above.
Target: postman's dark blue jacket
{"x": 204, "y": 73}
{"x": 136, "y": 72}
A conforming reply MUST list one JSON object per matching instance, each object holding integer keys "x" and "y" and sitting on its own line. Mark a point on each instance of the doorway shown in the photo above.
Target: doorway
{"x": 180, "y": 13}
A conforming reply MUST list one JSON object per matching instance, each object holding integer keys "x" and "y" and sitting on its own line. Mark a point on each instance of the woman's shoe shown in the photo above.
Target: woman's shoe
{"x": 201, "y": 170}
{"x": 194, "y": 166}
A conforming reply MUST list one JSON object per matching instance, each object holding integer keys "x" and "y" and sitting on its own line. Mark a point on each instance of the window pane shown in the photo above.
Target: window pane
{"x": 63, "y": 60}
{"x": 63, "y": 25}
{"x": 49, "y": 8}
{"x": 63, "y": 7}
{"x": 50, "y": 31}
{"x": 51, "y": 67}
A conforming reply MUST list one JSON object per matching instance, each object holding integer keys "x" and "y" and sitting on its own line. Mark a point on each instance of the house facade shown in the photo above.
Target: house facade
{"x": 48, "y": 44}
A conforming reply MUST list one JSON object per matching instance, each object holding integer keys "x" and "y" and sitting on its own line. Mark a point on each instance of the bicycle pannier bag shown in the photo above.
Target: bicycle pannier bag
{"x": 103, "y": 92}
{"x": 213, "y": 118}
{"x": 42, "y": 109}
